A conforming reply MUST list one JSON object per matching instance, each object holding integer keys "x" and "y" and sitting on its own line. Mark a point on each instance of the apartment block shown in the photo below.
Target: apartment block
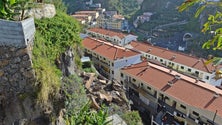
{"x": 113, "y": 22}
{"x": 183, "y": 63}
{"x": 83, "y": 19}
{"x": 160, "y": 90}
{"x": 94, "y": 14}
{"x": 117, "y": 38}
{"x": 109, "y": 58}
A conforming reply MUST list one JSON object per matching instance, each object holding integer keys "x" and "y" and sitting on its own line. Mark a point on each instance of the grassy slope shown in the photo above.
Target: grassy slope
{"x": 53, "y": 37}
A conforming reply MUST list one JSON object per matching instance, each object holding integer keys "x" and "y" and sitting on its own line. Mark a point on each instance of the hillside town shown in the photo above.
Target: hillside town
{"x": 175, "y": 88}
{"x": 110, "y": 62}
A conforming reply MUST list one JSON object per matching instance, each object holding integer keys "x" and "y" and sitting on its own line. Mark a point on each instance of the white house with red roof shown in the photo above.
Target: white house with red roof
{"x": 181, "y": 62}
{"x": 189, "y": 101}
{"x": 117, "y": 38}
{"x": 109, "y": 58}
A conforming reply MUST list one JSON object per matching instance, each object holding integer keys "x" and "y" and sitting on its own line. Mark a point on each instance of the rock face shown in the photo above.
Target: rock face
{"x": 42, "y": 11}
{"x": 66, "y": 63}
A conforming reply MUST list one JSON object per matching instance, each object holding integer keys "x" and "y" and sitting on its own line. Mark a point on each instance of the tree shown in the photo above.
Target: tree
{"x": 212, "y": 26}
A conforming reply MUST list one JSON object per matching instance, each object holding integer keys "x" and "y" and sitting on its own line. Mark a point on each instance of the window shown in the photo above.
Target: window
{"x": 121, "y": 75}
{"x": 134, "y": 80}
{"x": 195, "y": 113}
{"x": 196, "y": 72}
{"x": 161, "y": 60}
{"x": 169, "y": 63}
{"x": 148, "y": 87}
{"x": 112, "y": 72}
{"x": 189, "y": 70}
{"x": 155, "y": 58}
{"x": 172, "y": 64}
{"x": 207, "y": 77}
{"x": 112, "y": 64}
{"x": 166, "y": 98}
{"x": 141, "y": 84}
{"x": 182, "y": 106}
{"x": 182, "y": 67}
{"x": 148, "y": 55}
{"x": 121, "y": 82}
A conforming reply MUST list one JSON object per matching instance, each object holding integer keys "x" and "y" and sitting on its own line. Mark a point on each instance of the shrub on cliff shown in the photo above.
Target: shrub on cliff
{"x": 53, "y": 37}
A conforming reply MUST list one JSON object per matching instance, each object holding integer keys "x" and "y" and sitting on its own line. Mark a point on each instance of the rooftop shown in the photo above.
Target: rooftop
{"x": 84, "y": 12}
{"x": 108, "y": 32}
{"x": 108, "y": 50}
{"x": 177, "y": 57}
{"x": 185, "y": 89}
{"x": 80, "y": 15}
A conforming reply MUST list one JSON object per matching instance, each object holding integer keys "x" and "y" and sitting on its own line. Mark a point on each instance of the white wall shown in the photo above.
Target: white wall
{"x": 128, "y": 39}
{"x": 125, "y": 62}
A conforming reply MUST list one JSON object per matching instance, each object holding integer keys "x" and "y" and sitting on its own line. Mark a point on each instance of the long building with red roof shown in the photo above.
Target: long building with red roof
{"x": 178, "y": 61}
{"x": 109, "y": 58}
{"x": 117, "y": 38}
{"x": 188, "y": 99}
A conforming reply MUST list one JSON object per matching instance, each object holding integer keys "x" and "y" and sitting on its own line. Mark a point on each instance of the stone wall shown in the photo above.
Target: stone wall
{"x": 16, "y": 73}
{"x": 41, "y": 11}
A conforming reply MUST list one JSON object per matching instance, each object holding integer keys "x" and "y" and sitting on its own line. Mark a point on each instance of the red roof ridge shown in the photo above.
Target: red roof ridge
{"x": 187, "y": 78}
{"x": 166, "y": 49}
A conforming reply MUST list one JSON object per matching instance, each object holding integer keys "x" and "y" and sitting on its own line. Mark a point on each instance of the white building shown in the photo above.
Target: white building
{"x": 190, "y": 101}
{"x": 117, "y": 38}
{"x": 109, "y": 58}
{"x": 187, "y": 64}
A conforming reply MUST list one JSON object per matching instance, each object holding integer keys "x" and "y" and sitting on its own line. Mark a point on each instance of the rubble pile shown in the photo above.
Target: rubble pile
{"x": 101, "y": 90}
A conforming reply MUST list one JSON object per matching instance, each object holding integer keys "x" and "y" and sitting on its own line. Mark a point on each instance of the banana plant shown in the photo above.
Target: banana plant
{"x": 9, "y": 9}
{"x": 6, "y": 9}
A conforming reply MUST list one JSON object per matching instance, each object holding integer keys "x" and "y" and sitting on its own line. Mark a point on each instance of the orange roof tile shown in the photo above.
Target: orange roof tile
{"x": 185, "y": 89}
{"x": 108, "y": 32}
{"x": 191, "y": 61}
{"x": 107, "y": 50}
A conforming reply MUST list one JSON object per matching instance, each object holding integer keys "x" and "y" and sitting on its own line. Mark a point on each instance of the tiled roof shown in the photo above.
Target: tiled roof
{"x": 190, "y": 61}
{"x": 80, "y": 15}
{"x": 108, "y": 32}
{"x": 84, "y": 12}
{"x": 107, "y": 49}
{"x": 186, "y": 89}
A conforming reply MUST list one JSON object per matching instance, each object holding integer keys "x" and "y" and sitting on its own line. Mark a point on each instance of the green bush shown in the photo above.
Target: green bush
{"x": 132, "y": 118}
{"x": 53, "y": 37}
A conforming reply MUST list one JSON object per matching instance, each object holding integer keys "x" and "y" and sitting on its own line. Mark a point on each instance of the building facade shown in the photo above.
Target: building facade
{"x": 160, "y": 90}
{"x": 187, "y": 64}
{"x": 117, "y": 38}
{"x": 108, "y": 58}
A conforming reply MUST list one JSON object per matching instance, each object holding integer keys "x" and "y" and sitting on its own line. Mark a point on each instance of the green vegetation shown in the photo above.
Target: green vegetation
{"x": 125, "y": 7}
{"x": 212, "y": 26}
{"x": 8, "y": 7}
{"x": 87, "y": 117}
{"x": 132, "y": 118}
{"x": 53, "y": 37}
